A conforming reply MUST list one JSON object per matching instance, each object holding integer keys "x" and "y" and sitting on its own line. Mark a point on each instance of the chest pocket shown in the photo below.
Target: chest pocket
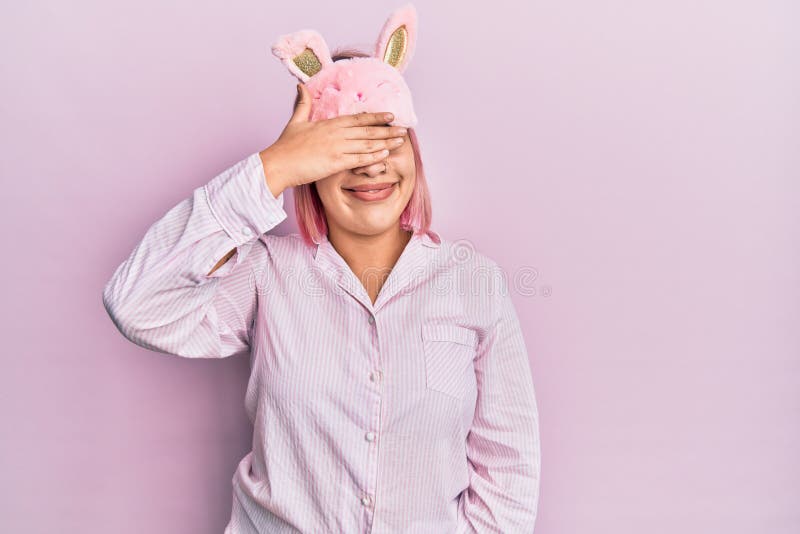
{"x": 449, "y": 352}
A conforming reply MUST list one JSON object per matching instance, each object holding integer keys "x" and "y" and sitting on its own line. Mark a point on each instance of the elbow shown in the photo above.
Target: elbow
{"x": 115, "y": 312}
{"x": 110, "y": 304}
{"x": 160, "y": 335}
{"x": 120, "y": 315}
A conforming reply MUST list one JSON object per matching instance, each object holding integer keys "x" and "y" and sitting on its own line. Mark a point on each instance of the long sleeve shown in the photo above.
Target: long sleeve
{"x": 503, "y": 448}
{"x": 161, "y": 296}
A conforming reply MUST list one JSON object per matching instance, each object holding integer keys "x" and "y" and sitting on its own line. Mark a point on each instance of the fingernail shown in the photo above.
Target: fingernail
{"x": 388, "y": 116}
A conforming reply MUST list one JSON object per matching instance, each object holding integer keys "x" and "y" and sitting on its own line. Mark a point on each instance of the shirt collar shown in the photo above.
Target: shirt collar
{"x": 415, "y": 256}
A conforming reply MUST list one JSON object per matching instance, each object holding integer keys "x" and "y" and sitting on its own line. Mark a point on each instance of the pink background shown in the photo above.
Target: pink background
{"x": 641, "y": 157}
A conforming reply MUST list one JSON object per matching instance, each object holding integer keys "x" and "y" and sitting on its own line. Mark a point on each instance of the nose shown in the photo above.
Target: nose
{"x": 376, "y": 169}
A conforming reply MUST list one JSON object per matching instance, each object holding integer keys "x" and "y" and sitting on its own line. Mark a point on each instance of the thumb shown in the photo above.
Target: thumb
{"x": 302, "y": 105}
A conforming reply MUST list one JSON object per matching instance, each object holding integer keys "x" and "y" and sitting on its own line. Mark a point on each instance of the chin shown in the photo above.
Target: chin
{"x": 373, "y": 226}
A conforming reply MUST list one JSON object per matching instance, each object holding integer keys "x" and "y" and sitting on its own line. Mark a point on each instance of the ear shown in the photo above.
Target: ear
{"x": 304, "y": 53}
{"x": 398, "y": 38}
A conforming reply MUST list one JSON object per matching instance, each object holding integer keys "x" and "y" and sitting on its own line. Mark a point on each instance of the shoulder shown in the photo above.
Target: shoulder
{"x": 288, "y": 241}
{"x": 289, "y": 248}
{"x": 466, "y": 254}
{"x": 470, "y": 269}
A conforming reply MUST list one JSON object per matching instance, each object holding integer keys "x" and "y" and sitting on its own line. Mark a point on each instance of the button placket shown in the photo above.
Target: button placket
{"x": 371, "y": 436}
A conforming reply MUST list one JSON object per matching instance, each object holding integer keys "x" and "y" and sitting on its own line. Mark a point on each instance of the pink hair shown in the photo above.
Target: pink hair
{"x": 416, "y": 217}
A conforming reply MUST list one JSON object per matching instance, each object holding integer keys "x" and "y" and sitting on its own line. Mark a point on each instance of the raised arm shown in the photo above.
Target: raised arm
{"x": 175, "y": 294}
{"x": 503, "y": 443}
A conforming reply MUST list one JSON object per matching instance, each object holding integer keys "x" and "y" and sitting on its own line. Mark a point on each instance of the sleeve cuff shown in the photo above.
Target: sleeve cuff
{"x": 241, "y": 201}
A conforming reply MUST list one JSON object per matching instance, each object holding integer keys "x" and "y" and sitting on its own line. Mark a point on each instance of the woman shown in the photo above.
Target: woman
{"x": 390, "y": 390}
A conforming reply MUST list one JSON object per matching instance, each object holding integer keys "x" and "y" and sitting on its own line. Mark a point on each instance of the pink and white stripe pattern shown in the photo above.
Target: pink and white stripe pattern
{"x": 413, "y": 414}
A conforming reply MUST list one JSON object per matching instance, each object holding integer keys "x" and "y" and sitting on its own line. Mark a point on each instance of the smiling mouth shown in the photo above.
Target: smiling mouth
{"x": 372, "y": 192}
{"x": 370, "y": 188}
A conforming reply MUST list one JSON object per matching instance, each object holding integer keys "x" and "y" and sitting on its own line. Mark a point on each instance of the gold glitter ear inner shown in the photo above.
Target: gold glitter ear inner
{"x": 308, "y": 62}
{"x": 396, "y": 47}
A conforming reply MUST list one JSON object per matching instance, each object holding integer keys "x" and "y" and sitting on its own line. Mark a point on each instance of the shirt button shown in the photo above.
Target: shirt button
{"x": 371, "y": 319}
{"x": 365, "y": 500}
{"x": 375, "y": 376}
{"x": 370, "y": 436}
{"x": 246, "y": 230}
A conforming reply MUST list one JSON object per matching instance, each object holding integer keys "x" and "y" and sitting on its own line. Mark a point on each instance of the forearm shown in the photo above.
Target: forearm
{"x": 275, "y": 186}
{"x": 273, "y": 174}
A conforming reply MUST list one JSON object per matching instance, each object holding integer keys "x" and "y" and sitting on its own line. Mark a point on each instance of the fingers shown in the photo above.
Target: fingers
{"x": 367, "y": 126}
{"x": 302, "y": 105}
{"x": 360, "y": 160}
{"x": 355, "y": 146}
{"x": 373, "y": 132}
{"x": 362, "y": 119}
{"x": 365, "y": 138}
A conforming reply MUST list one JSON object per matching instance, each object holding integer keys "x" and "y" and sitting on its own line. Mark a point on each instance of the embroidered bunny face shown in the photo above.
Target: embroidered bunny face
{"x": 360, "y": 84}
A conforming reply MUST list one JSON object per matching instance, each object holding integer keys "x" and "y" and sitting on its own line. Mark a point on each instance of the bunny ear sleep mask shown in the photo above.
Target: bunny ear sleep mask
{"x": 360, "y": 84}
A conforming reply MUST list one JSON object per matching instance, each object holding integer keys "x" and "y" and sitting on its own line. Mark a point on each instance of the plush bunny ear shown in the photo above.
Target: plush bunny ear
{"x": 304, "y": 53}
{"x": 398, "y": 38}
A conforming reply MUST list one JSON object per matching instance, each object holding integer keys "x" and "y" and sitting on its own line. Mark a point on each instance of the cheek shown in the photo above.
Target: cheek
{"x": 327, "y": 189}
{"x": 403, "y": 163}
{"x": 407, "y": 189}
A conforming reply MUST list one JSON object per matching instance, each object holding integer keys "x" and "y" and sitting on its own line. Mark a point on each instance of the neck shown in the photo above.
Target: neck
{"x": 370, "y": 257}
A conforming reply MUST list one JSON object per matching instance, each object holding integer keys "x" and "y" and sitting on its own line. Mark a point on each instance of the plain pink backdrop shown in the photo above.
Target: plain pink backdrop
{"x": 640, "y": 157}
